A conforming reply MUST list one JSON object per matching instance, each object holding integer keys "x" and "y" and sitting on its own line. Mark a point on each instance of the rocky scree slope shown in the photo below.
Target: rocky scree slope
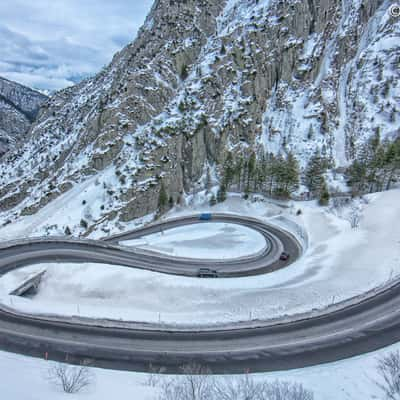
{"x": 205, "y": 77}
{"x": 19, "y": 106}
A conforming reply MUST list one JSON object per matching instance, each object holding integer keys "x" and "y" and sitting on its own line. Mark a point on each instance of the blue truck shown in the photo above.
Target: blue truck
{"x": 205, "y": 217}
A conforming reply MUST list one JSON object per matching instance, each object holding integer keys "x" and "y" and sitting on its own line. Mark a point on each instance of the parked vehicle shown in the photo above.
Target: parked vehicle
{"x": 284, "y": 256}
{"x": 207, "y": 273}
{"x": 205, "y": 217}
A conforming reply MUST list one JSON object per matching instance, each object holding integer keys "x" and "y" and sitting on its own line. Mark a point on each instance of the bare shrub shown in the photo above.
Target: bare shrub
{"x": 154, "y": 375}
{"x": 287, "y": 391}
{"x": 71, "y": 379}
{"x": 389, "y": 373}
{"x": 243, "y": 388}
{"x": 195, "y": 384}
{"x": 204, "y": 387}
{"x": 246, "y": 388}
{"x": 354, "y": 217}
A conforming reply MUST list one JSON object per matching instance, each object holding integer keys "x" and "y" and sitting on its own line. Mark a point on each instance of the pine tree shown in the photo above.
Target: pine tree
{"x": 314, "y": 175}
{"x": 393, "y": 162}
{"x": 271, "y": 172}
{"x": 376, "y": 167}
{"x": 223, "y": 49}
{"x": 251, "y": 168}
{"x": 292, "y": 176}
{"x": 279, "y": 172}
{"x": 213, "y": 201}
{"x": 324, "y": 196}
{"x": 208, "y": 183}
{"x": 239, "y": 171}
{"x": 310, "y": 134}
{"x": 184, "y": 72}
{"x": 260, "y": 176}
{"x": 221, "y": 194}
{"x": 229, "y": 170}
{"x": 357, "y": 177}
{"x": 246, "y": 192}
{"x": 162, "y": 198}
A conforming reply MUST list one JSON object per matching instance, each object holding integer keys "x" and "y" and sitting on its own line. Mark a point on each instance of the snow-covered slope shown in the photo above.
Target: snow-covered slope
{"x": 352, "y": 379}
{"x": 19, "y": 106}
{"x": 340, "y": 265}
{"x": 204, "y": 77}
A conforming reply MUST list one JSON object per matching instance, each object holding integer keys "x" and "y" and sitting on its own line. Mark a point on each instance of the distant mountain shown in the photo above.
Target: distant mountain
{"x": 19, "y": 106}
{"x": 205, "y": 79}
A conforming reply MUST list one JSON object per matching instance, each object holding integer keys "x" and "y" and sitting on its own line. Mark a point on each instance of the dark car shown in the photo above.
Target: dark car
{"x": 284, "y": 256}
{"x": 207, "y": 273}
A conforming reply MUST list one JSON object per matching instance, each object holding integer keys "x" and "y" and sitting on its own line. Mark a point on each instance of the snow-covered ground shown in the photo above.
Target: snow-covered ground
{"x": 341, "y": 262}
{"x": 84, "y": 201}
{"x": 351, "y": 379}
{"x": 214, "y": 240}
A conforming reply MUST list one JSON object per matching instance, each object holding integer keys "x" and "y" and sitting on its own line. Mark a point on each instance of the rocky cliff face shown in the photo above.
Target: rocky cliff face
{"x": 19, "y": 106}
{"x": 204, "y": 77}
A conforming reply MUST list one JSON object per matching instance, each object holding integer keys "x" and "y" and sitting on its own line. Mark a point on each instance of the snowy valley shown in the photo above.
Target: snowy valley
{"x": 213, "y": 215}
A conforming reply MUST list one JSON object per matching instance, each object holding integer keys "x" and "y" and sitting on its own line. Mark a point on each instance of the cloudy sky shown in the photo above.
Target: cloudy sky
{"x": 51, "y": 44}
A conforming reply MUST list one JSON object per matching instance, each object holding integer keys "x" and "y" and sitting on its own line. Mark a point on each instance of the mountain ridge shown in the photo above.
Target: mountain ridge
{"x": 19, "y": 107}
{"x": 205, "y": 78}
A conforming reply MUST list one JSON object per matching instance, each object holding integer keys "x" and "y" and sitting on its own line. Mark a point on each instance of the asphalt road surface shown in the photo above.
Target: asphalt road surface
{"x": 352, "y": 330}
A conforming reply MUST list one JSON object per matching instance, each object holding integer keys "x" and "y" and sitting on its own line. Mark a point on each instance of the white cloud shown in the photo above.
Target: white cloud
{"x": 51, "y": 44}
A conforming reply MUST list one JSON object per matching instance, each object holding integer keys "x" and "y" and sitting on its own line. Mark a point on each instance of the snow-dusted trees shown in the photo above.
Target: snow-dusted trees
{"x": 324, "y": 195}
{"x": 184, "y": 73}
{"x": 269, "y": 174}
{"x": 229, "y": 170}
{"x": 213, "y": 200}
{"x": 288, "y": 176}
{"x": 221, "y": 194}
{"x": 314, "y": 178}
{"x": 314, "y": 174}
{"x": 377, "y": 166}
{"x": 162, "y": 198}
{"x": 208, "y": 182}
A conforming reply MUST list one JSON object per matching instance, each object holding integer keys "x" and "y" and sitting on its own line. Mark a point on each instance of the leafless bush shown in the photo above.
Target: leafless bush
{"x": 338, "y": 203}
{"x": 195, "y": 384}
{"x": 365, "y": 200}
{"x": 205, "y": 387}
{"x": 244, "y": 388}
{"x": 389, "y": 373}
{"x": 354, "y": 217}
{"x": 71, "y": 379}
{"x": 154, "y": 375}
{"x": 287, "y": 391}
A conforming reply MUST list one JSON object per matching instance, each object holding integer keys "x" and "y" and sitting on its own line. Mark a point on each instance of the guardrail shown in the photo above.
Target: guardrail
{"x": 32, "y": 282}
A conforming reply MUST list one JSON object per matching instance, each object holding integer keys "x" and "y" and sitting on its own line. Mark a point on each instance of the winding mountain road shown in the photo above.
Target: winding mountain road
{"x": 370, "y": 324}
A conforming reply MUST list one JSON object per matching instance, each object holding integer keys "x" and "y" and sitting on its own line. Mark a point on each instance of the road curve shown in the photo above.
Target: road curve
{"x": 33, "y": 251}
{"x": 351, "y": 330}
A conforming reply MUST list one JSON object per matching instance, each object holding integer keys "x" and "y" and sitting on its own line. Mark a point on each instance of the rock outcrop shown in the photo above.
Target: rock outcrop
{"x": 19, "y": 106}
{"x": 204, "y": 77}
